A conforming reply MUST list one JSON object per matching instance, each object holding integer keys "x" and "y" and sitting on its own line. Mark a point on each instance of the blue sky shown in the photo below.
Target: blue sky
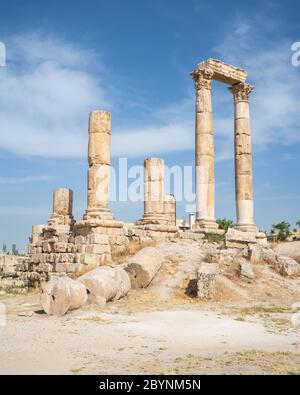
{"x": 133, "y": 58}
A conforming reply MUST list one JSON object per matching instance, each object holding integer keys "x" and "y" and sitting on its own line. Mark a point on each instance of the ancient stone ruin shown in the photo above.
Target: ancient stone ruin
{"x": 205, "y": 181}
{"x": 64, "y": 245}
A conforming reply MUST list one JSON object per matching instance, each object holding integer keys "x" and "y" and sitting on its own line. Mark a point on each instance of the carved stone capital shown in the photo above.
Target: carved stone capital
{"x": 241, "y": 91}
{"x": 202, "y": 78}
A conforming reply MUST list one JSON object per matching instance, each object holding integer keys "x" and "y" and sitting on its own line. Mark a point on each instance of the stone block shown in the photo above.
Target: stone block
{"x": 97, "y": 238}
{"x": 80, "y": 240}
{"x": 287, "y": 266}
{"x": 206, "y": 279}
{"x": 238, "y": 239}
{"x": 63, "y": 238}
{"x": 246, "y": 269}
{"x": 98, "y": 249}
{"x": 60, "y": 247}
{"x": 47, "y": 247}
{"x": 73, "y": 267}
{"x": 65, "y": 257}
{"x": 80, "y": 248}
{"x": 44, "y": 268}
{"x": 61, "y": 267}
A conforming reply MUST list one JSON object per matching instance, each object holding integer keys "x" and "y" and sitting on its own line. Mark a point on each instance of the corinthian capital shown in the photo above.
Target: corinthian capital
{"x": 241, "y": 91}
{"x": 202, "y": 78}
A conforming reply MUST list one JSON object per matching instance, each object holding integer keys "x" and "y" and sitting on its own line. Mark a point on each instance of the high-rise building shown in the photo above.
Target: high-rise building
{"x": 4, "y": 248}
{"x": 14, "y": 249}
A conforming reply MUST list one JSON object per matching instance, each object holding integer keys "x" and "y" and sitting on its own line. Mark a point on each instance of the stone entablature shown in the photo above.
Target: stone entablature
{"x": 221, "y": 71}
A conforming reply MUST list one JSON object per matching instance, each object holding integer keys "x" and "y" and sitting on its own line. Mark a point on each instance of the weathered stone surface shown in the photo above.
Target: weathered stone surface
{"x": 62, "y": 207}
{"x": 221, "y": 257}
{"x": 284, "y": 265}
{"x": 287, "y": 266}
{"x": 204, "y": 147}
{"x": 243, "y": 157}
{"x": 98, "y": 300}
{"x": 99, "y": 166}
{"x": 61, "y": 294}
{"x": 153, "y": 192}
{"x": 246, "y": 269}
{"x": 170, "y": 210}
{"x": 143, "y": 266}
{"x": 223, "y": 72}
{"x": 107, "y": 282}
{"x": 262, "y": 255}
{"x": 290, "y": 249}
{"x": 238, "y": 239}
{"x": 206, "y": 279}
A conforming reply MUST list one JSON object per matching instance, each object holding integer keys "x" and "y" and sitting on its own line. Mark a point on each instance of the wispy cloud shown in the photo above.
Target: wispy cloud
{"x": 275, "y": 101}
{"x": 46, "y": 93}
{"x": 12, "y": 210}
{"x": 24, "y": 180}
{"x": 48, "y": 89}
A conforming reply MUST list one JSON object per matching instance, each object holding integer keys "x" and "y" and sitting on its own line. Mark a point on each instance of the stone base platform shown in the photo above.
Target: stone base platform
{"x": 204, "y": 231}
{"x": 152, "y": 220}
{"x": 72, "y": 249}
{"x": 154, "y": 232}
{"x": 235, "y": 238}
{"x": 191, "y": 235}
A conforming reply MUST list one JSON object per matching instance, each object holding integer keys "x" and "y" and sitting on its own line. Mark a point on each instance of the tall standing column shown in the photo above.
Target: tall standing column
{"x": 99, "y": 166}
{"x": 170, "y": 209}
{"x": 153, "y": 192}
{"x": 204, "y": 155}
{"x": 243, "y": 157}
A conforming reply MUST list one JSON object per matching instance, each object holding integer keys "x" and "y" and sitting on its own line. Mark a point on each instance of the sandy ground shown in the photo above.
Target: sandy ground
{"x": 160, "y": 330}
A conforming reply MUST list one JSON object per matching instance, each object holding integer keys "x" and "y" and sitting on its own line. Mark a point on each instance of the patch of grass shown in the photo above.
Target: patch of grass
{"x": 213, "y": 238}
{"x": 13, "y": 289}
{"x": 76, "y": 370}
{"x": 241, "y": 319}
{"x": 248, "y": 362}
{"x": 129, "y": 249}
{"x": 97, "y": 319}
{"x": 283, "y": 363}
{"x": 259, "y": 309}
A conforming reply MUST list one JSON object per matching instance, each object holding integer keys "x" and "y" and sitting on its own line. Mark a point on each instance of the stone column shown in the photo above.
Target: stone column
{"x": 62, "y": 207}
{"x": 170, "y": 210}
{"x": 204, "y": 155}
{"x": 99, "y": 166}
{"x": 191, "y": 220}
{"x": 243, "y": 157}
{"x": 153, "y": 191}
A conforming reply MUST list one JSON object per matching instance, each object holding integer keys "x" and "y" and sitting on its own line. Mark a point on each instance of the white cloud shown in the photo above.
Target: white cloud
{"x": 23, "y": 211}
{"x": 24, "y": 180}
{"x": 46, "y": 94}
{"x": 48, "y": 89}
{"x": 275, "y": 101}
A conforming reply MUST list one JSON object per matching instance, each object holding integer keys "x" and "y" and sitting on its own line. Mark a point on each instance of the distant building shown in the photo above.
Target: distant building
{"x": 14, "y": 249}
{"x": 4, "y": 248}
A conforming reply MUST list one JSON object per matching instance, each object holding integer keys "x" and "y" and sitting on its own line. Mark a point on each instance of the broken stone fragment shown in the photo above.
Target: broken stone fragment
{"x": 206, "y": 280}
{"x": 238, "y": 239}
{"x": 108, "y": 282}
{"x": 143, "y": 266}
{"x": 290, "y": 249}
{"x": 246, "y": 269}
{"x": 287, "y": 266}
{"x": 61, "y": 294}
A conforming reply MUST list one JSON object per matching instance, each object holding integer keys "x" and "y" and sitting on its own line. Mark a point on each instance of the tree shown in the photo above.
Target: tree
{"x": 282, "y": 229}
{"x": 298, "y": 224}
{"x": 225, "y": 224}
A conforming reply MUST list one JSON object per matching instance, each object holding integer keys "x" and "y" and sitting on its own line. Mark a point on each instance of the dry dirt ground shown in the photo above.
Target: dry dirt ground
{"x": 247, "y": 329}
